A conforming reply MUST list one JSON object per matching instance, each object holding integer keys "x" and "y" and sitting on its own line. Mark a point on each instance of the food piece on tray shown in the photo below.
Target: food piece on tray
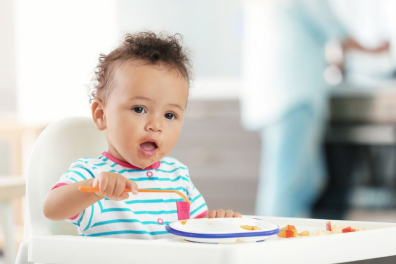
{"x": 336, "y": 229}
{"x": 282, "y": 233}
{"x": 329, "y": 225}
{"x": 357, "y": 229}
{"x": 183, "y": 222}
{"x": 288, "y": 231}
{"x": 289, "y": 227}
{"x": 320, "y": 232}
{"x": 331, "y": 228}
{"x": 348, "y": 229}
{"x": 248, "y": 227}
{"x": 304, "y": 233}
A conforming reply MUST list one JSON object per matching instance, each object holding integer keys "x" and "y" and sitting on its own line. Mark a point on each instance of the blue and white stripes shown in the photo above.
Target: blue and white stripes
{"x": 143, "y": 215}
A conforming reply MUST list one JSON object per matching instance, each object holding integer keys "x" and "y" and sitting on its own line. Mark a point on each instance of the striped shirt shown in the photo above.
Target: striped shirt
{"x": 141, "y": 216}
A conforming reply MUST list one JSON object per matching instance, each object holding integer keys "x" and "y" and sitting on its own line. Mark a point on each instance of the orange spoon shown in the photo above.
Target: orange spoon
{"x": 96, "y": 189}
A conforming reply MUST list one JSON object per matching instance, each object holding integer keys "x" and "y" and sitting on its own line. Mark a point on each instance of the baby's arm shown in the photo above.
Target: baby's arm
{"x": 67, "y": 201}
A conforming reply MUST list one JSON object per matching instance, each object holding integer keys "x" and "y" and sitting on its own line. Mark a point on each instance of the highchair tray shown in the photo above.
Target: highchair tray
{"x": 378, "y": 240}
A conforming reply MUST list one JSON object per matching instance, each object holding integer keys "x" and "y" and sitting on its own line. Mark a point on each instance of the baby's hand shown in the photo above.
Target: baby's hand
{"x": 112, "y": 185}
{"x": 221, "y": 214}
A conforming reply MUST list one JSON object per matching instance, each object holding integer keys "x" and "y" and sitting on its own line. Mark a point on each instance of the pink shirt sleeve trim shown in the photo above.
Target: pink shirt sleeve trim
{"x": 202, "y": 215}
{"x": 59, "y": 184}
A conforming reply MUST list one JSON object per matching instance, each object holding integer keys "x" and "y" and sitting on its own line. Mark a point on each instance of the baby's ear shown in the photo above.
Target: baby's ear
{"x": 98, "y": 114}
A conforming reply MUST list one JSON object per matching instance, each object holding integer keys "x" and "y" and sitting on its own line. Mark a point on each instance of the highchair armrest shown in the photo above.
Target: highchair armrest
{"x": 93, "y": 250}
{"x": 22, "y": 256}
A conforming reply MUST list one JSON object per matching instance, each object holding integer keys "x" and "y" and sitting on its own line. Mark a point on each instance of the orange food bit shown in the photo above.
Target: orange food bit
{"x": 289, "y": 233}
{"x": 183, "y": 222}
{"x": 247, "y": 227}
{"x": 289, "y": 227}
{"x": 348, "y": 229}
{"x": 282, "y": 233}
{"x": 304, "y": 233}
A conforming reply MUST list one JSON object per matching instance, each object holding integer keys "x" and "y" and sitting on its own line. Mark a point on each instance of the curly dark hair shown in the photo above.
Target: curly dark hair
{"x": 149, "y": 48}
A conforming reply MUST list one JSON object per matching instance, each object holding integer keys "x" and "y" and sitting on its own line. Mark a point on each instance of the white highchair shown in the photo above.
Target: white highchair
{"x": 58, "y": 146}
{"x": 46, "y": 241}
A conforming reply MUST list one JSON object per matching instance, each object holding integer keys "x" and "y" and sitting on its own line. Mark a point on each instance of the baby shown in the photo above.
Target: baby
{"x": 139, "y": 102}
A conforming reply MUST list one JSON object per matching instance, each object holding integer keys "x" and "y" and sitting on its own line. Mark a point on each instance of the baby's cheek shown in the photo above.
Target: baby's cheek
{"x": 159, "y": 154}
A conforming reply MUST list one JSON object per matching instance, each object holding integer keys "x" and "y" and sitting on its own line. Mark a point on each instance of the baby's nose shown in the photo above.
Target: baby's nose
{"x": 154, "y": 125}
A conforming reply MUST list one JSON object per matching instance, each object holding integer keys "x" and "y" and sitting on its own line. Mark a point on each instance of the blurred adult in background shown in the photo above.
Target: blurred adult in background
{"x": 284, "y": 95}
{"x": 369, "y": 50}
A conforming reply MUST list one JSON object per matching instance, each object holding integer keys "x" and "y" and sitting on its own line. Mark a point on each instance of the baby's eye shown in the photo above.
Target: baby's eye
{"x": 139, "y": 109}
{"x": 170, "y": 116}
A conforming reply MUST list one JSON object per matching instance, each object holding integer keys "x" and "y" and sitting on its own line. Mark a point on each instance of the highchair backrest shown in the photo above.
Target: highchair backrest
{"x": 61, "y": 143}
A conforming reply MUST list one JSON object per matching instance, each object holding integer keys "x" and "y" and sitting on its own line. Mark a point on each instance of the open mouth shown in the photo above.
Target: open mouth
{"x": 149, "y": 148}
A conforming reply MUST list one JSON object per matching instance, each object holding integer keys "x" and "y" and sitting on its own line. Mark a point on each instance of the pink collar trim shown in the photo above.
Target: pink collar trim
{"x": 128, "y": 165}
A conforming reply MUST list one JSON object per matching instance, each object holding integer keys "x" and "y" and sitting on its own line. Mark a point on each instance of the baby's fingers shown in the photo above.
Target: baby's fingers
{"x": 212, "y": 214}
{"x": 133, "y": 186}
{"x": 237, "y": 215}
{"x": 96, "y": 183}
{"x": 102, "y": 183}
{"x": 220, "y": 213}
{"x": 119, "y": 187}
{"x": 229, "y": 213}
{"x": 124, "y": 196}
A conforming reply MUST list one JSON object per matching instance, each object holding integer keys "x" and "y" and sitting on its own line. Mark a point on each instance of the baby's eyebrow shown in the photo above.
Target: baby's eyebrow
{"x": 148, "y": 99}
{"x": 141, "y": 97}
{"x": 177, "y": 106}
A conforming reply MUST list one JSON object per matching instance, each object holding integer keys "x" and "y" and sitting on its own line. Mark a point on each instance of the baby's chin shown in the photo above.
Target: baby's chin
{"x": 141, "y": 161}
{"x": 144, "y": 162}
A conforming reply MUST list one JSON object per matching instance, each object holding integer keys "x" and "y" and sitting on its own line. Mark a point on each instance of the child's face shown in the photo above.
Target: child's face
{"x": 144, "y": 113}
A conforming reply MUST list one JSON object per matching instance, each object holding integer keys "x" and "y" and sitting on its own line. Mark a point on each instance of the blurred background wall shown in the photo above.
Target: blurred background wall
{"x": 49, "y": 49}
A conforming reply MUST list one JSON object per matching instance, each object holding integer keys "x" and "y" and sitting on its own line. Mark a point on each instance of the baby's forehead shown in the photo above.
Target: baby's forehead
{"x": 131, "y": 79}
{"x": 134, "y": 68}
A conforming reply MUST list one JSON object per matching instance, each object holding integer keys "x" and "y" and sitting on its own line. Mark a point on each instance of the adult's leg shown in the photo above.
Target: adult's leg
{"x": 291, "y": 172}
